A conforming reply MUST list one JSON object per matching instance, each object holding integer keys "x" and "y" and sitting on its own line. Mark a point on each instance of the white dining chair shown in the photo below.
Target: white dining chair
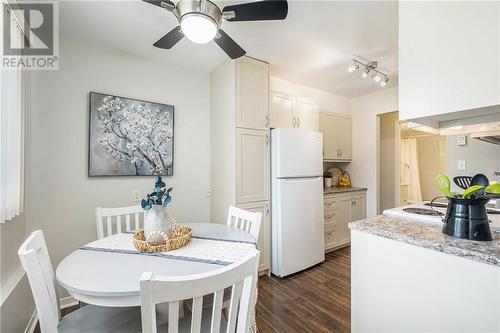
{"x": 36, "y": 262}
{"x": 240, "y": 276}
{"x": 114, "y": 222}
{"x": 245, "y": 220}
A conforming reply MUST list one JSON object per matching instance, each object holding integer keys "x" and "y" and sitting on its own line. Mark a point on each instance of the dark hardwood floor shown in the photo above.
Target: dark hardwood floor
{"x": 316, "y": 300}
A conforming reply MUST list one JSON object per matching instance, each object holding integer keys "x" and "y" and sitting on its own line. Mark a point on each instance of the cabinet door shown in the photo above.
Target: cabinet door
{"x": 264, "y": 241}
{"x": 344, "y": 217}
{"x": 307, "y": 115}
{"x": 252, "y": 94}
{"x": 345, "y": 137}
{"x": 252, "y": 165}
{"x": 358, "y": 209}
{"x": 282, "y": 110}
{"x": 331, "y": 138}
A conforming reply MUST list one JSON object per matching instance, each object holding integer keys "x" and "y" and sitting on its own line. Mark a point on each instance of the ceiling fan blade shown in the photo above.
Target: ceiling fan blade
{"x": 167, "y": 4}
{"x": 170, "y": 39}
{"x": 258, "y": 11}
{"x": 228, "y": 45}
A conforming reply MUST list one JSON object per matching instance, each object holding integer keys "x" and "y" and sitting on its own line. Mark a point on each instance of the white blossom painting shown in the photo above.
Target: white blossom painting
{"x": 130, "y": 137}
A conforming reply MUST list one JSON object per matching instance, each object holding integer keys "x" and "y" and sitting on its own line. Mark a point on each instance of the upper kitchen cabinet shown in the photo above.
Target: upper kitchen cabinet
{"x": 282, "y": 109}
{"x": 337, "y": 136}
{"x": 307, "y": 115}
{"x": 449, "y": 60}
{"x": 252, "y": 94}
{"x": 292, "y": 111}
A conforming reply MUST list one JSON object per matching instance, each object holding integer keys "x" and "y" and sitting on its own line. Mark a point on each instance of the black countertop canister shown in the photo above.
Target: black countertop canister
{"x": 467, "y": 219}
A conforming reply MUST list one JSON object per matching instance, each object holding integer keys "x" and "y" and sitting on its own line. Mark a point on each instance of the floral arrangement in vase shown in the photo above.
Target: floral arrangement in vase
{"x": 158, "y": 226}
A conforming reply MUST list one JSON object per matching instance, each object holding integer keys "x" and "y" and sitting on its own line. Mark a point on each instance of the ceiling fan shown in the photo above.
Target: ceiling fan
{"x": 200, "y": 21}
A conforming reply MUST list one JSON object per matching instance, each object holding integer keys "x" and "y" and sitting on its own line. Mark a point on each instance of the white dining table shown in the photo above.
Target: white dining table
{"x": 112, "y": 279}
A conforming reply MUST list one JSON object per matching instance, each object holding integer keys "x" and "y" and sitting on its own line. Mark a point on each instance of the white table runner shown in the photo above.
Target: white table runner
{"x": 210, "y": 251}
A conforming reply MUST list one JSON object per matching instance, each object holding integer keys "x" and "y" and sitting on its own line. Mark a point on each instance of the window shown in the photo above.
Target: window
{"x": 11, "y": 134}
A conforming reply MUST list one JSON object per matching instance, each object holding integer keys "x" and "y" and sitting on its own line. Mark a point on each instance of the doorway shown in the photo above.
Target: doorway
{"x": 409, "y": 160}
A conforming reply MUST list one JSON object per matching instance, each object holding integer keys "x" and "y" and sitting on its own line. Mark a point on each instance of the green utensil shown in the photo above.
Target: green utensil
{"x": 492, "y": 189}
{"x": 471, "y": 190}
{"x": 443, "y": 183}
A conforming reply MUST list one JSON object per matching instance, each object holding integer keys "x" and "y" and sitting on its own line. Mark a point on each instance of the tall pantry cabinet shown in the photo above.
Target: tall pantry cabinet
{"x": 239, "y": 116}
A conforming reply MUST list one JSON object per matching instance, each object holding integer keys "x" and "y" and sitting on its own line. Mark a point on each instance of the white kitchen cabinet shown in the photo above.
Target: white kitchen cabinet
{"x": 239, "y": 138}
{"x": 252, "y": 165}
{"x": 337, "y": 136}
{"x": 263, "y": 244}
{"x": 307, "y": 115}
{"x": 445, "y": 64}
{"x": 340, "y": 209}
{"x": 252, "y": 94}
{"x": 282, "y": 110}
{"x": 358, "y": 207}
{"x": 290, "y": 111}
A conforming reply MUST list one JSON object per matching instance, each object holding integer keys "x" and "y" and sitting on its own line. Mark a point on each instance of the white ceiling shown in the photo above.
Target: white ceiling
{"x": 313, "y": 46}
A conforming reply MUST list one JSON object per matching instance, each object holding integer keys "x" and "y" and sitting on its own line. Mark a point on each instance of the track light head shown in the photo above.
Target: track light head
{"x": 353, "y": 67}
{"x": 384, "y": 82}
{"x": 364, "y": 75}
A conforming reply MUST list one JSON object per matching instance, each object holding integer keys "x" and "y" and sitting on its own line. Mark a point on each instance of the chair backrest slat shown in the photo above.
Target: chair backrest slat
{"x": 106, "y": 215}
{"x": 241, "y": 276}
{"x": 245, "y": 220}
{"x": 233, "y": 307}
{"x": 36, "y": 262}
{"x": 217, "y": 310}
{"x": 196, "y": 314}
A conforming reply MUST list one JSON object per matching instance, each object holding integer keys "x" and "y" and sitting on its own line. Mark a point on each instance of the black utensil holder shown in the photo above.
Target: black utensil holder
{"x": 467, "y": 219}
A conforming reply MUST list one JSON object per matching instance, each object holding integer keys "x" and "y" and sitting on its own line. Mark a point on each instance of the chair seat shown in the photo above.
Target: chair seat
{"x": 101, "y": 319}
{"x": 206, "y": 322}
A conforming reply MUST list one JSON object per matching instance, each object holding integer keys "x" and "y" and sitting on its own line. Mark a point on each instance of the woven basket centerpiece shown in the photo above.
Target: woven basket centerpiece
{"x": 181, "y": 236}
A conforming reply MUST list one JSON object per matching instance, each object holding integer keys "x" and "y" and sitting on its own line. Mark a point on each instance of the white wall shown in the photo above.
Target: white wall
{"x": 479, "y": 156}
{"x": 364, "y": 166}
{"x": 446, "y": 65}
{"x": 324, "y": 100}
{"x": 60, "y": 196}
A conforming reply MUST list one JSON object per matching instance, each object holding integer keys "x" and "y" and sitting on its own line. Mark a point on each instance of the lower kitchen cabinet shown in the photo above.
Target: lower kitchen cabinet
{"x": 264, "y": 242}
{"x": 340, "y": 209}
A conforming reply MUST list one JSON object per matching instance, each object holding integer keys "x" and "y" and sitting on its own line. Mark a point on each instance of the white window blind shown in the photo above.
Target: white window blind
{"x": 11, "y": 135}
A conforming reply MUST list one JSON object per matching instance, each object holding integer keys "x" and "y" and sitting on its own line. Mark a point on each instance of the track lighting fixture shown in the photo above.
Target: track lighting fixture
{"x": 369, "y": 67}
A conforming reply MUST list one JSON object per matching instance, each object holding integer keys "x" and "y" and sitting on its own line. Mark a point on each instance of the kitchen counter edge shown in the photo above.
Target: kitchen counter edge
{"x": 430, "y": 237}
{"x": 337, "y": 190}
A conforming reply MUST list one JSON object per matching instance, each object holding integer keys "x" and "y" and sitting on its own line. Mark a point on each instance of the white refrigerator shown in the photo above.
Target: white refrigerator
{"x": 297, "y": 200}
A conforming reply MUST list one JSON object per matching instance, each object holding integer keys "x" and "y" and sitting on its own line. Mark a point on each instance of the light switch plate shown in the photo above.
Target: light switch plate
{"x": 461, "y": 165}
{"x": 462, "y": 140}
{"x": 137, "y": 195}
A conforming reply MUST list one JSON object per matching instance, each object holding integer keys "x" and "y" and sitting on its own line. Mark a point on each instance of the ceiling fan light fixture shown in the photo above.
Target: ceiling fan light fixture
{"x": 198, "y": 28}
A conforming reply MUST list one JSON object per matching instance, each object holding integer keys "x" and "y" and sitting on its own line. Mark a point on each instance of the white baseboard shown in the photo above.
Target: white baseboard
{"x": 64, "y": 302}
{"x": 11, "y": 284}
{"x": 32, "y": 323}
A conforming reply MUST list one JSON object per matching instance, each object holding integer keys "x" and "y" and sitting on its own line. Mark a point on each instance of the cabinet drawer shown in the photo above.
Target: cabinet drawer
{"x": 330, "y": 206}
{"x": 331, "y": 235}
{"x": 329, "y": 217}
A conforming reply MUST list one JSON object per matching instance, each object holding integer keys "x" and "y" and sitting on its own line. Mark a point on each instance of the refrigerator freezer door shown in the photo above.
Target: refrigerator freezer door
{"x": 298, "y": 230}
{"x": 296, "y": 153}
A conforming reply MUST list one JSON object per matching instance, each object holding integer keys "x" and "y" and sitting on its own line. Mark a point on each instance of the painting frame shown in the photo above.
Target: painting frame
{"x": 92, "y": 142}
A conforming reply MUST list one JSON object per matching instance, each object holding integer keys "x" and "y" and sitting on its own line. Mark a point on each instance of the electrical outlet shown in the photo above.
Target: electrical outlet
{"x": 461, "y": 165}
{"x": 137, "y": 195}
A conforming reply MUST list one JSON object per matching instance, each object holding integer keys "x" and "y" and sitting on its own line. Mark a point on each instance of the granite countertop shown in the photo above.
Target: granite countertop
{"x": 430, "y": 236}
{"x": 336, "y": 189}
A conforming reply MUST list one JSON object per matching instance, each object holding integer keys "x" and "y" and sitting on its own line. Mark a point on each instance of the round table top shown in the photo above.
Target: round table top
{"x": 112, "y": 279}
